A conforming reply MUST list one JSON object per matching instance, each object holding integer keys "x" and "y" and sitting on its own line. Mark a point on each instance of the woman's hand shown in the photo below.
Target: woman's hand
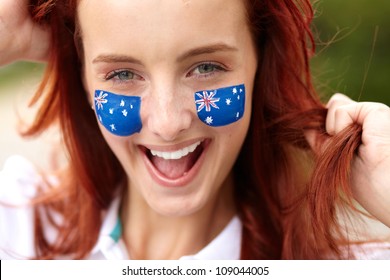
{"x": 371, "y": 166}
{"x": 20, "y": 37}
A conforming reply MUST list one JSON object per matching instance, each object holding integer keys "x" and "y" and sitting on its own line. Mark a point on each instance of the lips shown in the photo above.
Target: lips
{"x": 174, "y": 166}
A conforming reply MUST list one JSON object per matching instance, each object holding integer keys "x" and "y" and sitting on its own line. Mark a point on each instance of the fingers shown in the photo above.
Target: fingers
{"x": 338, "y": 113}
{"x": 342, "y": 111}
{"x": 336, "y": 120}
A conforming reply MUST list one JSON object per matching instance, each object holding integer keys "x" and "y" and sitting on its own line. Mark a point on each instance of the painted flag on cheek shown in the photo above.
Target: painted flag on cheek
{"x": 219, "y": 107}
{"x": 119, "y": 114}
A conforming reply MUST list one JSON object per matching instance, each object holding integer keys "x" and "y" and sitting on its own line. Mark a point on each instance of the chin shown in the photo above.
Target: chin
{"x": 177, "y": 206}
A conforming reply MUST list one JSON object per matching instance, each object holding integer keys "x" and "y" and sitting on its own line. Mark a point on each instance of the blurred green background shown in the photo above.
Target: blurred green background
{"x": 344, "y": 30}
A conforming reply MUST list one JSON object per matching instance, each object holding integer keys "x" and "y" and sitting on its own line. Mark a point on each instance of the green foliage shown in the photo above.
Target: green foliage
{"x": 347, "y": 31}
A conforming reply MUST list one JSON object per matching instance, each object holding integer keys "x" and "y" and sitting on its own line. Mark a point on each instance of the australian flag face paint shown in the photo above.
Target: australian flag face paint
{"x": 219, "y": 107}
{"x": 119, "y": 114}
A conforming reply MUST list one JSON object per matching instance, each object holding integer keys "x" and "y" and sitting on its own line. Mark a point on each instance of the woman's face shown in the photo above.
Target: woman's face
{"x": 163, "y": 53}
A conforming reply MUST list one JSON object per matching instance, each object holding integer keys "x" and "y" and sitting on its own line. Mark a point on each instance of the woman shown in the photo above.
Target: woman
{"x": 203, "y": 129}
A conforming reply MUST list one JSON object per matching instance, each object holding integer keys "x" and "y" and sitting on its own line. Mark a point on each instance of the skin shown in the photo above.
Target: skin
{"x": 190, "y": 219}
{"x": 21, "y": 38}
{"x": 370, "y": 173}
{"x": 158, "y": 45}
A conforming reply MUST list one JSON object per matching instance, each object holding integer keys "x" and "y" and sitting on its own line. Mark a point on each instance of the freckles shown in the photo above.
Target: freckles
{"x": 220, "y": 107}
{"x": 119, "y": 114}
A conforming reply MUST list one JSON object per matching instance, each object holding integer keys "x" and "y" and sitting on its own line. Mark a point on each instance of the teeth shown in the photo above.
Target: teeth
{"x": 176, "y": 154}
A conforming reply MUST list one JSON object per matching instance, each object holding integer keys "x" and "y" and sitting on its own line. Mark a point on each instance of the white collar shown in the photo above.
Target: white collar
{"x": 225, "y": 246}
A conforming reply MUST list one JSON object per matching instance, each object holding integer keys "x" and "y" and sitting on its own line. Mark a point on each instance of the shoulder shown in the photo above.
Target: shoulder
{"x": 18, "y": 184}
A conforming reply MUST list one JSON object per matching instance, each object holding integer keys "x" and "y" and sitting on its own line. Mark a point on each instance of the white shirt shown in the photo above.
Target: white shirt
{"x": 18, "y": 180}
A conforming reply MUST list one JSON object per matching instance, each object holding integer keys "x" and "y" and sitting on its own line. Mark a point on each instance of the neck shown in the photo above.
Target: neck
{"x": 150, "y": 235}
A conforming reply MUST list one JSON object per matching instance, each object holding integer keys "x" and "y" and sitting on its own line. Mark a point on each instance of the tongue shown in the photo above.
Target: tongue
{"x": 174, "y": 168}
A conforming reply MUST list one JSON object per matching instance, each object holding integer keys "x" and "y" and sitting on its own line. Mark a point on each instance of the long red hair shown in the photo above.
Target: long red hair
{"x": 287, "y": 196}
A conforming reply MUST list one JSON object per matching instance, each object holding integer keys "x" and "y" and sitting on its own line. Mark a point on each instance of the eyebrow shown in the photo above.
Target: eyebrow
{"x": 209, "y": 49}
{"x": 221, "y": 47}
{"x": 113, "y": 58}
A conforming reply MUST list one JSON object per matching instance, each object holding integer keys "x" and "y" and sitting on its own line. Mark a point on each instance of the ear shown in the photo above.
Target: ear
{"x": 317, "y": 140}
{"x": 311, "y": 138}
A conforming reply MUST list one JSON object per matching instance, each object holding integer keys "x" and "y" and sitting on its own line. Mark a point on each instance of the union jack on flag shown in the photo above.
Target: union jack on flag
{"x": 100, "y": 99}
{"x": 206, "y": 100}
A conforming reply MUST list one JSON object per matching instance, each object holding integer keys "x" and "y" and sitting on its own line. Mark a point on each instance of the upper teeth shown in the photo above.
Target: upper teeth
{"x": 176, "y": 154}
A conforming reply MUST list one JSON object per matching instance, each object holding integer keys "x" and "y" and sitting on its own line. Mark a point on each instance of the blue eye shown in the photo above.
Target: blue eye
{"x": 125, "y": 75}
{"x": 205, "y": 70}
{"x": 122, "y": 75}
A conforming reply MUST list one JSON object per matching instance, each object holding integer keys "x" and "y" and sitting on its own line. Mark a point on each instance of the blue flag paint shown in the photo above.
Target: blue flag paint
{"x": 219, "y": 107}
{"x": 119, "y": 114}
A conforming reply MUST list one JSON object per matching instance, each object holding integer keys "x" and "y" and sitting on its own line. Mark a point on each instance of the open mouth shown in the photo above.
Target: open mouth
{"x": 173, "y": 165}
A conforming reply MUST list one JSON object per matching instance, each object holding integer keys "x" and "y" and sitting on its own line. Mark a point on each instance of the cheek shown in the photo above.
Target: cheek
{"x": 123, "y": 148}
{"x": 231, "y": 137}
{"x": 221, "y": 107}
{"x": 119, "y": 114}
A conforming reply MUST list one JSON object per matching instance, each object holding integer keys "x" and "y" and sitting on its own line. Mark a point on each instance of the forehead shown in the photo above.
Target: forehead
{"x": 164, "y": 24}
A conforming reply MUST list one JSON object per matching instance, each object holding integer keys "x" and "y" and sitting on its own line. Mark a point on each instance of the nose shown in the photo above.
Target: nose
{"x": 168, "y": 112}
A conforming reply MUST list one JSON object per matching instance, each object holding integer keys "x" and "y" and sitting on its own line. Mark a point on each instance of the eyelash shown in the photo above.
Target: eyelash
{"x": 114, "y": 75}
{"x": 216, "y": 68}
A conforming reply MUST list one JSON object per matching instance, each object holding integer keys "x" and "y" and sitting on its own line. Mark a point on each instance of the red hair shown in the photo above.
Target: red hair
{"x": 286, "y": 194}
